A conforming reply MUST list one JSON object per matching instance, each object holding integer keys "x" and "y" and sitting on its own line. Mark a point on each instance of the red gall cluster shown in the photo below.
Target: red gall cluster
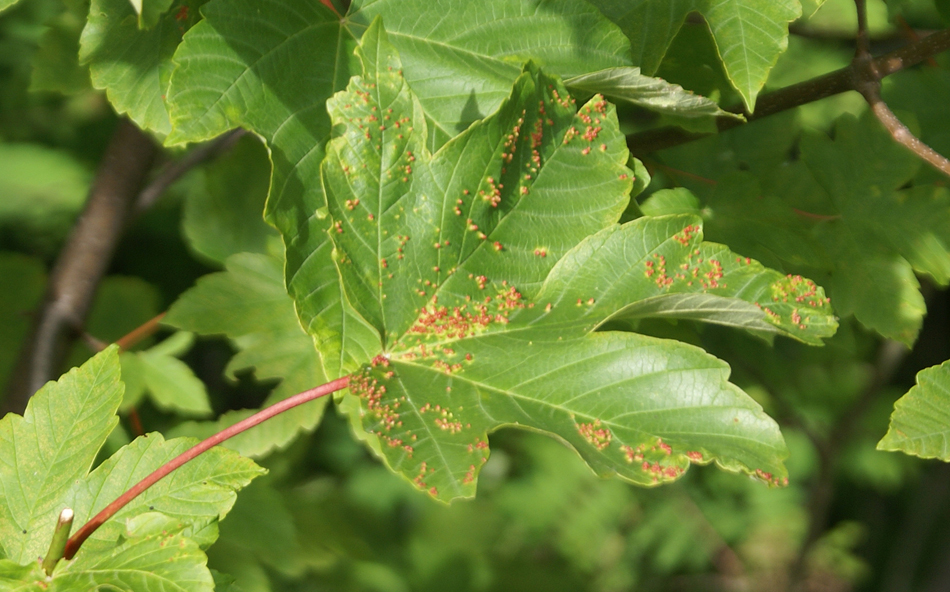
{"x": 597, "y": 436}
{"x": 768, "y": 478}
{"x": 799, "y": 289}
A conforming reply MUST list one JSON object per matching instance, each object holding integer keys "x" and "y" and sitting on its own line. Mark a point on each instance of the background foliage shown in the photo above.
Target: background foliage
{"x": 821, "y": 190}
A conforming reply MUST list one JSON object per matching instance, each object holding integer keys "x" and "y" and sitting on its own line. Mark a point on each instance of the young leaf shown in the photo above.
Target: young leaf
{"x": 472, "y": 266}
{"x": 920, "y": 424}
{"x": 53, "y": 445}
{"x": 249, "y": 304}
{"x": 155, "y": 563}
{"x": 46, "y": 454}
{"x": 196, "y": 495}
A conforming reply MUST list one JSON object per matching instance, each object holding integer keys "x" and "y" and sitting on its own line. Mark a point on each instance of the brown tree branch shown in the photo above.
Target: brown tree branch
{"x": 809, "y": 91}
{"x": 82, "y": 262}
{"x": 868, "y": 83}
{"x": 174, "y": 170}
{"x": 116, "y": 198}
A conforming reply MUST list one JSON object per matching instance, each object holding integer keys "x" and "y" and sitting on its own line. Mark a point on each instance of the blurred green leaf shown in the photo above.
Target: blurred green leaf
{"x": 56, "y": 62}
{"x": 41, "y": 192}
{"x": 881, "y": 233}
{"x": 24, "y": 279}
{"x": 249, "y": 304}
{"x": 224, "y": 210}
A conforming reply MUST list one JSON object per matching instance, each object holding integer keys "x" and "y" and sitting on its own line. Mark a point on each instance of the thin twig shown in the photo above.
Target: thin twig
{"x": 868, "y": 83}
{"x": 109, "y": 511}
{"x": 174, "y": 170}
{"x": 796, "y": 95}
{"x": 146, "y": 329}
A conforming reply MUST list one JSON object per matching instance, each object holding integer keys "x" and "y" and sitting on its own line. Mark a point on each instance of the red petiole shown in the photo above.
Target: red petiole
{"x": 109, "y": 511}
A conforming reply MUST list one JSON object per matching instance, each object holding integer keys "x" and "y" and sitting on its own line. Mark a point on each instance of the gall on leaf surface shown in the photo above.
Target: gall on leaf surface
{"x": 484, "y": 269}
{"x": 920, "y": 424}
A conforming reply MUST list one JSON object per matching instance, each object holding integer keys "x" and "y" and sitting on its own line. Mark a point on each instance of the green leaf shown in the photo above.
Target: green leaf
{"x": 655, "y": 94}
{"x": 749, "y": 34}
{"x": 473, "y": 267}
{"x": 5, "y": 4}
{"x": 462, "y": 68}
{"x": 53, "y": 445}
{"x": 195, "y": 495}
{"x": 21, "y": 578}
{"x": 44, "y": 459}
{"x": 133, "y": 66}
{"x": 649, "y": 24}
{"x": 396, "y": 209}
{"x": 56, "y": 62}
{"x": 249, "y": 304}
{"x": 154, "y": 563}
{"x": 883, "y": 233}
{"x": 276, "y": 83}
{"x": 223, "y": 210}
{"x": 685, "y": 278}
{"x": 41, "y": 193}
{"x": 170, "y": 382}
{"x": 920, "y": 424}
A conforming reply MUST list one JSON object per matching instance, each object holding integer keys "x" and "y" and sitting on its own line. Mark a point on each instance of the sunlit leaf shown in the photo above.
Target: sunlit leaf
{"x": 472, "y": 266}
{"x": 749, "y": 34}
{"x": 50, "y": 447}
{"x": 920, "y": 424}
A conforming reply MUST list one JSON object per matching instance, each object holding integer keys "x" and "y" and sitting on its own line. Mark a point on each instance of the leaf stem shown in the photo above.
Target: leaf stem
{"x": 99, "y": 519}
{"x": 60, "y": 535}
{"x": 146, "y": 329}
